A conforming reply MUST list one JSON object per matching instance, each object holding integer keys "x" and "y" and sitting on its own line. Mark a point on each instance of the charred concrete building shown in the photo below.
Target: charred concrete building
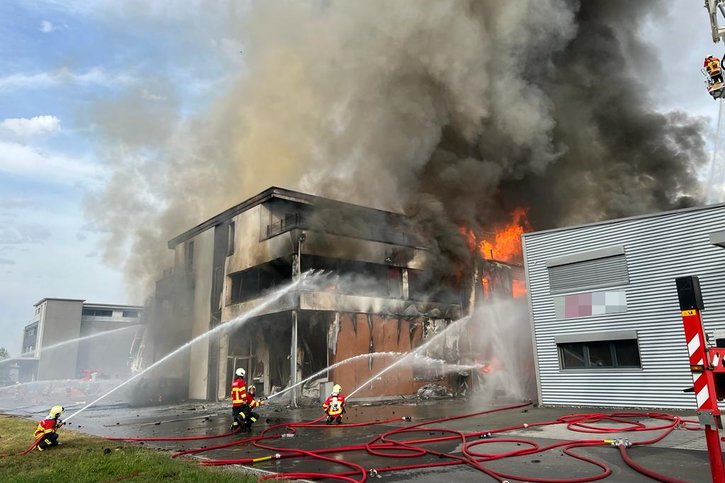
{"x": 376, "y": 296}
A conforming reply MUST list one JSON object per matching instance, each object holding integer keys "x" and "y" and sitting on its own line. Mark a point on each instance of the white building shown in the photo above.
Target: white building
{"x": 69, "y": 338}
{"x": 606, "y": 320}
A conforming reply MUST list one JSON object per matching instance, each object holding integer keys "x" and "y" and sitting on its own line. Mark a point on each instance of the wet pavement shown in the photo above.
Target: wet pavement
{"x": 682, "y": 454}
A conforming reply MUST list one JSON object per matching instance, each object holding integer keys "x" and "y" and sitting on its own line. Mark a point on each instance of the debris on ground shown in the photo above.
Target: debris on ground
{"x": 433, "y": 391}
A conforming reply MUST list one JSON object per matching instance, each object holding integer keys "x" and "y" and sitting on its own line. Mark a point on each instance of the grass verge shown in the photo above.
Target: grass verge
{"x": 81, "y": 458}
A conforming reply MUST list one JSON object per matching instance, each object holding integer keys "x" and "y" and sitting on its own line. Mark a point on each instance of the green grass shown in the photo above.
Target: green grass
{"x": 81, "y": 458}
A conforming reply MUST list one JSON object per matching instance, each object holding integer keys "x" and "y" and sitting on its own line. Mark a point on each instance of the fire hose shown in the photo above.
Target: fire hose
{"x": 385, "y": 445}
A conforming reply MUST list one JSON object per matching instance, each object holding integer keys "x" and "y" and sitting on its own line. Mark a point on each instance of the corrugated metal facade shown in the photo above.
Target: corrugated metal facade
{"x": 658, "y": 248}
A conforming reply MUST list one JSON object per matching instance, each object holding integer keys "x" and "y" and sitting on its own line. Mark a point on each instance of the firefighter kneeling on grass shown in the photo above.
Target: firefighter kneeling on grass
{"x": 334, "y": 405}
{"x": 46, "y": 433}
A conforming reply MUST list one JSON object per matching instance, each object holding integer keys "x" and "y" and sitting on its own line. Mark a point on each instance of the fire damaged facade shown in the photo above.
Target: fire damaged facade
{"x": 375, "y": 296}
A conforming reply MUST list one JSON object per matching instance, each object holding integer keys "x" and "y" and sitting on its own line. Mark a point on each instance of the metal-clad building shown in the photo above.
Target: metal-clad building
{"x": 606, "y": 320}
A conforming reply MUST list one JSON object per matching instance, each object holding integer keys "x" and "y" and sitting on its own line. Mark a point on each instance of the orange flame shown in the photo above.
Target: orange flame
{"x": 506, "y": 244}
{"x": 518, "y": 288}
{"x": 486, "y": 285}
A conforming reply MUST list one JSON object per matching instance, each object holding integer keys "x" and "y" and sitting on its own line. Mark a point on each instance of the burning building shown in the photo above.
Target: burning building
{"x": 376, "y": 296}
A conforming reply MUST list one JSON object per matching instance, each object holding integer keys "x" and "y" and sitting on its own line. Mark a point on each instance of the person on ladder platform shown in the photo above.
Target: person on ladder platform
{"x": 713, "y": 70}
{"x": 334, "y": 405}
{"x": 46, "y": 432}
{"x": 239, "y": 398}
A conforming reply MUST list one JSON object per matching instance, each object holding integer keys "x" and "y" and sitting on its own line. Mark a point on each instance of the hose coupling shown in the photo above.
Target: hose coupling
{"x": 484, "y": 435}
{"x": 407, "y": 418}
{"x": 374, "y": 472}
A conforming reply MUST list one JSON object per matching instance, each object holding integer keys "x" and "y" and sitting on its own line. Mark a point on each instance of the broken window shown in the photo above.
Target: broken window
{"x": 255, "y": 282}
{"x": 357, "y": 278}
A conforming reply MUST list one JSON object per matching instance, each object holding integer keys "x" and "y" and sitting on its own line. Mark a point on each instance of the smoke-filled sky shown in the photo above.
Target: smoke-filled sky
{"x": 123, "y": 124}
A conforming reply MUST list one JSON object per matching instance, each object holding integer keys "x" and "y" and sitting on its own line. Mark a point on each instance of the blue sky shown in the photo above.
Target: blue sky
{"x": 61, "y": 59}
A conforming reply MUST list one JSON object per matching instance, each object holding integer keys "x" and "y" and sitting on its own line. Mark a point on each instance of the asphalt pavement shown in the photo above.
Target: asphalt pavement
{"x": 680, "y": 455}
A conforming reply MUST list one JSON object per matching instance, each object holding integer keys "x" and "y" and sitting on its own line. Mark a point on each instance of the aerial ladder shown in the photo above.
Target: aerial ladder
{"x": 713, "y": 7}
{"x": 712, "y": 69}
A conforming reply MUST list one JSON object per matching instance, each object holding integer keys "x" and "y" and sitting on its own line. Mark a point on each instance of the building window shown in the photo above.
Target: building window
{"x": 131, "y": 313}
{"x": 255, "y": 282}
{"x": 98, "y": 312}
{"x": 599, "y": 354}
{"x": 190, "y": 255}
{"x": 605, "y": 267}
{"x": 230, "y": 239}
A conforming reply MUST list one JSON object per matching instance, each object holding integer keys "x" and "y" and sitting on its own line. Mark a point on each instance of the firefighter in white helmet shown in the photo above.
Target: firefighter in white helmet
{"x": 239, "y": 398}
{"x": 334, "y": 405}
{"x": 46, "y": 431}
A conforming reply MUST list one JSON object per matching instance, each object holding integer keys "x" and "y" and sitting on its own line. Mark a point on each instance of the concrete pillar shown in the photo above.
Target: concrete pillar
{"x": 293, "y": 357}
{"x": 406, "y": 287}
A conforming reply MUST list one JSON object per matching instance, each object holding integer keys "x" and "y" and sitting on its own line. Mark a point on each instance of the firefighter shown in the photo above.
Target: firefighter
{"x": 47, "y": 428}
{"x": 250, "y": 417}
{"x": 239, "y": 397}
{"x": 713, "y": 69}
{"x": 334, "y": 405}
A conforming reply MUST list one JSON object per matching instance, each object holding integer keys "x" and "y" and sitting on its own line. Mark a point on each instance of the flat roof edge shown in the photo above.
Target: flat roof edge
{"x": 626, "y": 218}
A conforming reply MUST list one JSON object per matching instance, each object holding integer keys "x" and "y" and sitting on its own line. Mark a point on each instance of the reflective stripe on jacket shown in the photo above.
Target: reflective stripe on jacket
{"x": 239, "y": 391}
{"x": 46, "y": 426}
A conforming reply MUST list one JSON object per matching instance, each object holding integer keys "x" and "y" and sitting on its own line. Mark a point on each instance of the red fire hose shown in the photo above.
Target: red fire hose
{"x": 389, "y": 445}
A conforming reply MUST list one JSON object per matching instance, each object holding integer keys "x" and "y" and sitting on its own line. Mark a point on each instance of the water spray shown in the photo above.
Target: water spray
{"x": 226, "y": 326}
{"x": 77, "y": 339}
{"x": 407, "y": 356}
{"x": 337, "y": 364}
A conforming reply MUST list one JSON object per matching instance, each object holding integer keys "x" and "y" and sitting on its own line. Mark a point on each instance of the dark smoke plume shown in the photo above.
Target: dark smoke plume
{"x": 455, "y": 112}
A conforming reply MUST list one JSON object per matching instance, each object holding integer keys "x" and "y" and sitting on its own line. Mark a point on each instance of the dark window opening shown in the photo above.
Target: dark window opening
{"x": 596, "y": 354}
{"x": 98, "y": 312}
{"x": 254, "y": 282}
{"x": 357, "y": 278}
{"x": 423, "y": 287}
{"x": 131, "y": 313}
{"x": 190, "y": 255}
{"x": 230, "y": 239}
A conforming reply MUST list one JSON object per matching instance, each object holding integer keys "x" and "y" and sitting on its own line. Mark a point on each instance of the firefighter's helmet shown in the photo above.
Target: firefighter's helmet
{"x": 252, "y": 390}
{"x": 241, "y": 372}
{"x": 336, "y": 389}
{"x": 55, "y": 412}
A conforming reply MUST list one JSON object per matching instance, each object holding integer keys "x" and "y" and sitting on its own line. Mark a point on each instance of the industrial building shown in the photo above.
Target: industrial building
{"x": 606, "y": 320}
{"x": 377, "y": 297}
{"x": 70, "y": 339}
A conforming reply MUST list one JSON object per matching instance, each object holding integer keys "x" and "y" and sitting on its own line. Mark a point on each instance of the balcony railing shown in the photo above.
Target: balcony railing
{"x": 385, "y": 234}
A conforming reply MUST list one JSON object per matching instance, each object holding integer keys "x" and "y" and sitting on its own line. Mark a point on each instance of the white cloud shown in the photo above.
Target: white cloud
{"x": 26, "y": 128}
{"x": 47, "y": 26}
{"x": 43, "y": 80}
{"x": 32, "y": 162}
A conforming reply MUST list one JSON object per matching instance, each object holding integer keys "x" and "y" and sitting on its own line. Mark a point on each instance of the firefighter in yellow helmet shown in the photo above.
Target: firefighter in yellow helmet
{"x": 46, "y": 431}
{"x": 334, "y": 405}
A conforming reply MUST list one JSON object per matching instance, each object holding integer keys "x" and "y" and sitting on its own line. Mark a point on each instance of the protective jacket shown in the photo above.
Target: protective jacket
{"x": 239, "y": 392}
{"x": 334, "y": 405}
{"x": 712, "y": 65}
{"x": 47, "y": 426}
{"x": 251, "y": 402}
